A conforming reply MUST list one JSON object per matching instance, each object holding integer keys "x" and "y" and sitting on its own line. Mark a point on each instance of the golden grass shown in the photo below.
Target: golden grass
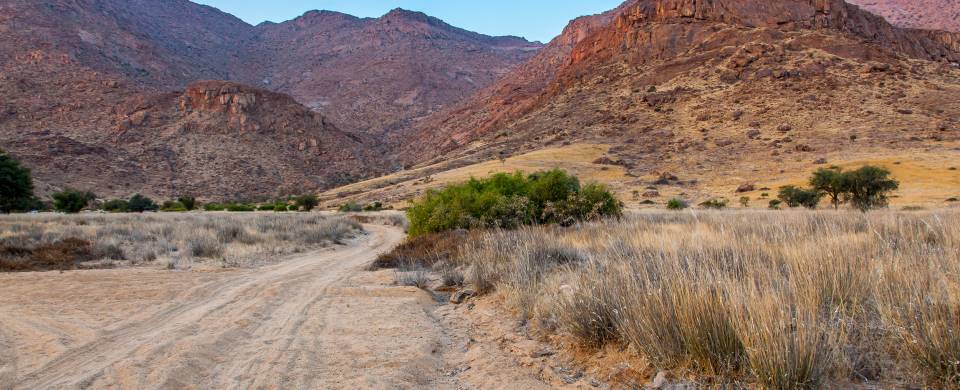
{"x": 782, "y": 299}
{"x": 172, "y": 240}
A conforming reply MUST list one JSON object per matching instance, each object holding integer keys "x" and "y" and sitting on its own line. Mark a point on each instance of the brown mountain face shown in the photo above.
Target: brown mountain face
{"x": 70, "y": 70}
{"x": 717, "y": 92}
{"x": 921, "y": 14}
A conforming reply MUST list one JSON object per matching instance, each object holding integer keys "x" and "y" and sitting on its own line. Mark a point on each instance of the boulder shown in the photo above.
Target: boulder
{"x": 746, "y": 187}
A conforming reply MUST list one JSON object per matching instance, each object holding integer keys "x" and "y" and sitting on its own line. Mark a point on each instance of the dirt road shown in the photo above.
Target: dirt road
{"x": 317, "y": 321}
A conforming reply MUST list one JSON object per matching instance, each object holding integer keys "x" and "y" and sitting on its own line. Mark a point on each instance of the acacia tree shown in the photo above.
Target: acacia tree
{"x": 830, "y": 182}
{"x": 869, "y": 187}
{"x": 16, "y": 185}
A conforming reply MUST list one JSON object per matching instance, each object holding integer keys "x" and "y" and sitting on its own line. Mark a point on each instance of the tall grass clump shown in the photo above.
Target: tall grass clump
{"x": 785, "y": 300}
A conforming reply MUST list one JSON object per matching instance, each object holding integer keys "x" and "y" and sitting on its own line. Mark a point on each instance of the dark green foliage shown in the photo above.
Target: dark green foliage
{"x": 281, "y": 207}
{"x": 350, "y": 207}
{"x": 307, "y": 202}
{"x": 775, "y": 204}
{"x": 240, "y": 207}
{"x": 115, "y": 206}
{"x": 214, "y": 207}
{"x": 868, "y": 187}
{"x": 16, "y": 186}
{"x": 512, "y": 200}
{"x": 677, "y": 204}
{"x": 715, "y": 204}
{"x": 72, "y": 201}
{"x": 139, "y": 204}
{"x": 794, "y": 196}
{"x": 831, "y": 182}
{"x": 188, "y": 202}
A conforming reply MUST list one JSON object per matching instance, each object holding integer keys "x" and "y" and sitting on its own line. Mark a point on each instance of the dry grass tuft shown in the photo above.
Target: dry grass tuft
{"x": 782, "y": 299}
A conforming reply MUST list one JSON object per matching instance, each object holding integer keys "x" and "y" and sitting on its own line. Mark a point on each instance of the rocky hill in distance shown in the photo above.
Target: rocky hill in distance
{"x": 922, "y": 14}
{"x": 679, "y": 98}
{"x": 73, "y": 72}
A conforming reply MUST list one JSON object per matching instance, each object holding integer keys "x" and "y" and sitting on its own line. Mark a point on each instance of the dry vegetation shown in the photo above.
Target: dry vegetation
{"x": 49, "y": 242}
{"x": 781, "y": 299}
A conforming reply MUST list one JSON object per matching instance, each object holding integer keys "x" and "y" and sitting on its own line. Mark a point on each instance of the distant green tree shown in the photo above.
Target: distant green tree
{"x": 831, "y": 182}
{"x": 188, "y": 202}
{"x": 745, "y": 201}
{"x": 16, "y": 186}
{"x": 715, "y": 204}
{"x": 775, "y": 204}
{"x": 795, "y": 196}
{"x": 115, "y": 206}
{"x": 72, "y": 201}
{"x": 139, "y": 204}
{"x": 677, "y": 204}
{"x": 869, "y": 187}
{"x": 308, "y": 202}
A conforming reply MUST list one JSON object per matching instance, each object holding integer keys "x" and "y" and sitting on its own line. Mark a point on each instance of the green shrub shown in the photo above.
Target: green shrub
{"x": 350, "y": 207}
{"x": 214, "y": 207}
{"x": 139, "y": 204}
{"x": 794, "y": 196}
{"x": 677, "y": 204}
{"x": 173, "y": 207}
{"x": 115, "y": 206}
{"x": 281, "y": 207}
{"x": 16, "y": 186}
{"x": 775, "y": 204}
{"x": 72, "y": 201}
{"x": 307, "y": 202}
{"x": 512, "y": 200}
{"x": 188, "y": 202}
{"x": 745, "y": 201}
{"x": 715, "y": 204}
{"x": 240, "y": 207}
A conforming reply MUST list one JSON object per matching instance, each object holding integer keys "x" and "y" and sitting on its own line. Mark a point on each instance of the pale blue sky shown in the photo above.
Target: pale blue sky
{"x": 540, "y": 20}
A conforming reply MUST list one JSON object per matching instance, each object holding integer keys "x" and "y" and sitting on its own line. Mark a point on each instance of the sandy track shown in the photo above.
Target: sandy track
{"x": 317, "y": 321}
{"x": 299, "y": 324}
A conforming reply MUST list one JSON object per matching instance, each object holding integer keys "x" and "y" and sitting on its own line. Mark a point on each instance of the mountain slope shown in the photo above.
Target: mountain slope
{"x": 697, "y": 98}
{"x": 69, "y": 70}
{"x": 921, "y": 14}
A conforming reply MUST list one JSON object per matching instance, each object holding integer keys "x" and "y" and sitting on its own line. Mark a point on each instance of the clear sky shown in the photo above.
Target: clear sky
{"x": 539, "y": 20}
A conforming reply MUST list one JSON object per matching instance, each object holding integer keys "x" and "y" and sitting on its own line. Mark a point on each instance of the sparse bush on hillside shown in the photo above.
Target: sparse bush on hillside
{"x": 240, "y": 207}
{"x": 72, "y": 201}
{"x": 715, "y": 204}
{"x": 511, "y": 200}
{"x": 115, "y": 206}
{"x": 677, "y": 204}
{"x": 16, "y": 186}
{"x": 775, "y": 204}
{"x": 350, "y": 207}
{"x": 373, "y": 207}
{"x": 745, "y": 201}
{"x": 171, "y": 206}
{"x": 307, "y": 202}
{"x": 140, "y": 204}
{"x": 188, "y": 202}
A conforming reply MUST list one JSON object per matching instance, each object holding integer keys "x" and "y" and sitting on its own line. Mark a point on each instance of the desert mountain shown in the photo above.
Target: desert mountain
{"x": 671, "y": 97}
{"x": 87, "y": 87}
{"x": 922, "y": 14}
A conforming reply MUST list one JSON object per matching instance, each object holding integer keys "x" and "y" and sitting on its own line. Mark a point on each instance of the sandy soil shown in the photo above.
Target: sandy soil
{"x": 313, "y": 321}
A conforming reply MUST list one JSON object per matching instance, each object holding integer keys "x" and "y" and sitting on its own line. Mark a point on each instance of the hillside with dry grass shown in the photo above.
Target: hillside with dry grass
{"x": 715, "y": 98}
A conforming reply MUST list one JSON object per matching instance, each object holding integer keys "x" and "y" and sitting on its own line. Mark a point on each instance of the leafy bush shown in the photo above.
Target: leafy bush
{"x": 794, "y": 196}
{"x": 16, "y": 186}
{"x": 281, "y": 207}
{"x": 375, "y": 206}
{"x": 831, "y": 182}
{"x": 677, "y": 204}
{"x": 715, "y": 204}
{"x": 775, "y": 204}
{"x": 173, "y": 207}
{"x": 115, "y": 206}
{"x": 350, "y": 207}
{"x": 188, "y": 202}
{"x": 240, "y": 207}
{"x": 511, "y": 200}
{"x": 72, "y": 201}
{"x": 214, "y": 207}
{"x": 139, "y": 204}
{"x": 307, "y": 202}
{"x": 745, "y": 201}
